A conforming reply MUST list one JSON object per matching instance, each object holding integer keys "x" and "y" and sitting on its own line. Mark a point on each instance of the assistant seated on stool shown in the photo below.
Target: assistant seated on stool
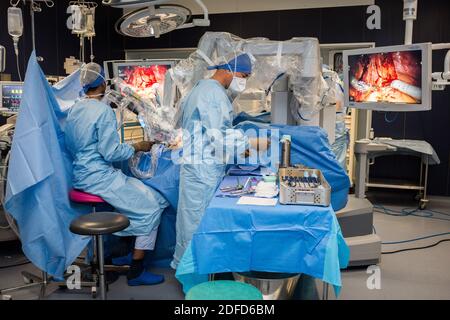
{"x": 92, "y": 139}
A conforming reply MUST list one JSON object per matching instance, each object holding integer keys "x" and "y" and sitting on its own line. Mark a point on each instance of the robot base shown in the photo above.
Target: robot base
{"x": 356, "y": 221}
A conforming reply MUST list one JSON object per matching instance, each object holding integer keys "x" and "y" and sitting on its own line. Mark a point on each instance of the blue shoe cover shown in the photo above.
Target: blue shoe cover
{"x": 123, "y": 261}
{"x": 146, "y": 278}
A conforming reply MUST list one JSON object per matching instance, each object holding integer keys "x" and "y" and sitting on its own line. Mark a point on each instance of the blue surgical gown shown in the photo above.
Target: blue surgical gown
{"x": 92, "y": 138}
{"x": 207, "y": 113}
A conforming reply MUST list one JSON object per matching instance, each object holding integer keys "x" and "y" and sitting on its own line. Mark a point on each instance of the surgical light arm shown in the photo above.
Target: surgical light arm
{"x": 204, "y": 22}
{"x": 199, "y": 22}
{"x": 442, "y": 78}
{"x": 409, "y": 15}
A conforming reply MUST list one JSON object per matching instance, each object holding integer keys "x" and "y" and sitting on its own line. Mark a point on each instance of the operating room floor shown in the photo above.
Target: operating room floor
{"x": 420, "y": 274}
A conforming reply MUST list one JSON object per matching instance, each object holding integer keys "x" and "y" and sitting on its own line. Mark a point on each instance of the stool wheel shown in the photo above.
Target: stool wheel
{"x": 27, "y": 280}
{"x": 423, "y": 204}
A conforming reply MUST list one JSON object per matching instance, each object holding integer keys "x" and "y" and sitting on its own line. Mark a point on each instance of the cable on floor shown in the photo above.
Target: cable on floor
{"x": 24, "y": 262}
{"x": 428, "y": 214}
{"x": 416, "y": 248}
{"x": 417, "y": 239}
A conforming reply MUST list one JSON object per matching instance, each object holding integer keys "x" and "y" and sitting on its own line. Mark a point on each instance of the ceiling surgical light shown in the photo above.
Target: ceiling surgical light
{"x": 152, "y": 22}
{"x": 153, "y": 18}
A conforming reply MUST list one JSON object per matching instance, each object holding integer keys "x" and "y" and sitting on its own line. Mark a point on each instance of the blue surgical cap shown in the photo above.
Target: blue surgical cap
{"x": 241, "y": 63}
{"x": 94, "y": 76}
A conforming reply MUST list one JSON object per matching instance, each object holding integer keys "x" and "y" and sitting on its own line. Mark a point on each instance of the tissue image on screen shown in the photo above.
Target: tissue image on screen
{"x": 389, "y": 77}
{"x": 146, "y": 80}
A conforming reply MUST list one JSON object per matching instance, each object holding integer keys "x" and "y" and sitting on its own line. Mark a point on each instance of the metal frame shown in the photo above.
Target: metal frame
{"x": 325, "y": 286}
{"x": 150, "y": 54}
{"x": 423, "y": 178}
{"x": 48, "y": 286}
{"x": 325, "y": 291}
{"x": 363, "y": 149}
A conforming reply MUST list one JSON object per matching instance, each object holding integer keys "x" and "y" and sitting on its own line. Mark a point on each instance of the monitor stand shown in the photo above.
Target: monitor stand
{"x": 356, "y": 219}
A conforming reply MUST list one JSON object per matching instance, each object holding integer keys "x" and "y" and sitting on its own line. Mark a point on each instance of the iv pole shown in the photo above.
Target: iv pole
{"x": 36, "y": 7}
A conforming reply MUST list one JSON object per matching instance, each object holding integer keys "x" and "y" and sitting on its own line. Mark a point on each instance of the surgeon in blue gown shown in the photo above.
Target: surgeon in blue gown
{"x": 92, "y": 139}
{"x": 207, "y": 116}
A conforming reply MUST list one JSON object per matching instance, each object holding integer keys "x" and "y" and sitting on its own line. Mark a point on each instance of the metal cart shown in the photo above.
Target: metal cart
{"x": 367, "y": 150}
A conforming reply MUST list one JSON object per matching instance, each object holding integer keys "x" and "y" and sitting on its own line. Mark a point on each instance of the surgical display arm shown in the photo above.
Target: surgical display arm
{"x": 442, "y": 78}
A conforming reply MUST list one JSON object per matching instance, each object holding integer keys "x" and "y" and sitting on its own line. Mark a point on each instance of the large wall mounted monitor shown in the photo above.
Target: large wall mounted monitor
{"x": 145, "y": 77}
{"x": 11, "y": 95}
{"x": 395, "y": 78}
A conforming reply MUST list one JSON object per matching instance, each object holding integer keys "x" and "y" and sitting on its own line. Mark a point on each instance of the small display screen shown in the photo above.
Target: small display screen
{"x": 389, "y": 77}
{"x": 146, "y": 80}
{"x": 11, "y": 96}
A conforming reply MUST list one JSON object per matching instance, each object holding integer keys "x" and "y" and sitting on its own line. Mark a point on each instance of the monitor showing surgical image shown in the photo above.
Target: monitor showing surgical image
{"x": 392, "y": 77}
{"x": 146, "y": 80}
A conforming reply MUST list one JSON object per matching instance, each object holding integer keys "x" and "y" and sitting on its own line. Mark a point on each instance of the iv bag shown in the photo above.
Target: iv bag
{"x": 78, "y": 19}
{"x": 15, "y": 22}
{"x": 90, "y": 22}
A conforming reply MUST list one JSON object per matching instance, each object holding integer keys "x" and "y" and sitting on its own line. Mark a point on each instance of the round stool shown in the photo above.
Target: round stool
{"x": 224, "y": 290}
{"x": 86, "y": 198}
{"x": 96, "y": 225}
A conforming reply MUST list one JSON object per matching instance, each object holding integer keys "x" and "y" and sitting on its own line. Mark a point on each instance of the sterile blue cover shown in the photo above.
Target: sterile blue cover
{"x": 39, "y": 179}
{"x": 281, "y": 238}
{"x": 166, "y": 181}
{"x": 67, "y": 91}
{"x": 310, "y": 147}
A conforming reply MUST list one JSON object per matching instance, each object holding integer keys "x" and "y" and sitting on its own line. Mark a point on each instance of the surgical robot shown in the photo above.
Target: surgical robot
{"x": 287, "y": 81}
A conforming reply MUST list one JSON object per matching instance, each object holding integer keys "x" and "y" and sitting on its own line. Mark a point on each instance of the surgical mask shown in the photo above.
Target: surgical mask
{"x": 103, "y": 95}
{"x": 238, "y": 84}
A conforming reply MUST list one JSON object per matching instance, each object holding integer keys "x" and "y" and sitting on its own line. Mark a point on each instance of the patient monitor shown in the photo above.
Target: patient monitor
{"x": 10, "y": 96}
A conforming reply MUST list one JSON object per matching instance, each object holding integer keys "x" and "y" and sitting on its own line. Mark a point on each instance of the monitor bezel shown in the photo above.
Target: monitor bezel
{"x": 117, "y": 64}
{"x": 386, "y": 106}
{"x": 172, "y": 62}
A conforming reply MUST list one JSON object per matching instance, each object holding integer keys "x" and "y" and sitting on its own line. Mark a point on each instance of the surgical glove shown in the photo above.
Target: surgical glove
{"x": 142, "y": 146}
{"x": 259, "y": 144}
